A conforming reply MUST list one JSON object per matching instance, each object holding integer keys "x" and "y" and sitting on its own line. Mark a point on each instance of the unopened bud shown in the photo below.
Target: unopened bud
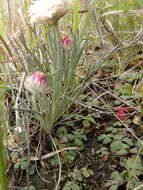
{"x": 66, "y": 41}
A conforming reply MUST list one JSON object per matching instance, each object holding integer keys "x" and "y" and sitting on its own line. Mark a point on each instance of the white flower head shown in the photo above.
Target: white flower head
{"x": 49, "y": 11}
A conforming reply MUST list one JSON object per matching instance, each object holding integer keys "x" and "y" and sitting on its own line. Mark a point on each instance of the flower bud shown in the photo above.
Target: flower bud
{"x": 36, "y": 82}
{"x": 66, "y": 41}
{"x": 49, "y": 11}
{"x": 121, "y": 112}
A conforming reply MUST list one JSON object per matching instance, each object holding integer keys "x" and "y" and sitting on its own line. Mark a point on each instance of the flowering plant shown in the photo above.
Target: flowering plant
{"x": 56, "y": 85}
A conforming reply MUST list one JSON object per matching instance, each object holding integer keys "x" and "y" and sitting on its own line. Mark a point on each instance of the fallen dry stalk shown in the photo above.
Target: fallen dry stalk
{"x": 139, "y": 187}
{"x": 35, "y": 158}
{"x": 117, "y": 12}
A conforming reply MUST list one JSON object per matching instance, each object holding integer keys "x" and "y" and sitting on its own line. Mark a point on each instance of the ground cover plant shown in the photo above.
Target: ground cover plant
{"x": 71, "y": 94}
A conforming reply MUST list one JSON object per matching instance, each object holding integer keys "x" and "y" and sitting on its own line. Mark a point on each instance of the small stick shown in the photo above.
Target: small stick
{"x": 34, "y": 158}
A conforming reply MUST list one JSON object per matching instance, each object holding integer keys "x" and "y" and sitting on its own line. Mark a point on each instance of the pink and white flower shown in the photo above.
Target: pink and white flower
{"x": 36, "y": 82}
{"x": 66, "y": 41}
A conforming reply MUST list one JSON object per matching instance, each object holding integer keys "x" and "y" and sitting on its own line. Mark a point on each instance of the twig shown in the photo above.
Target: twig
{"x": 121, "y": 100}
{"x": 18, "y": 128}
{"x": 60, "y": 164}
{"x": 137, "y": 188}
{"x": 37, "y": 152}
{"x": 116, "y": 12}
{"x": 34, "y": 158}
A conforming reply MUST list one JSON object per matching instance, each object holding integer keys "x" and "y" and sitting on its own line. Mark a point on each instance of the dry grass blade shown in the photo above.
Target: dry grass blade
{"x": 6, "y": 45}
{"x": 117, "y": 12}
{"x": 34, "y": 158}
{"x": 139, "y": 187}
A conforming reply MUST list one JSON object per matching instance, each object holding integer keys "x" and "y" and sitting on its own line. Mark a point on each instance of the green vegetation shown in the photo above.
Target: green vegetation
{"x": 71, "y": 96}
{"x": 3, "y": 178}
